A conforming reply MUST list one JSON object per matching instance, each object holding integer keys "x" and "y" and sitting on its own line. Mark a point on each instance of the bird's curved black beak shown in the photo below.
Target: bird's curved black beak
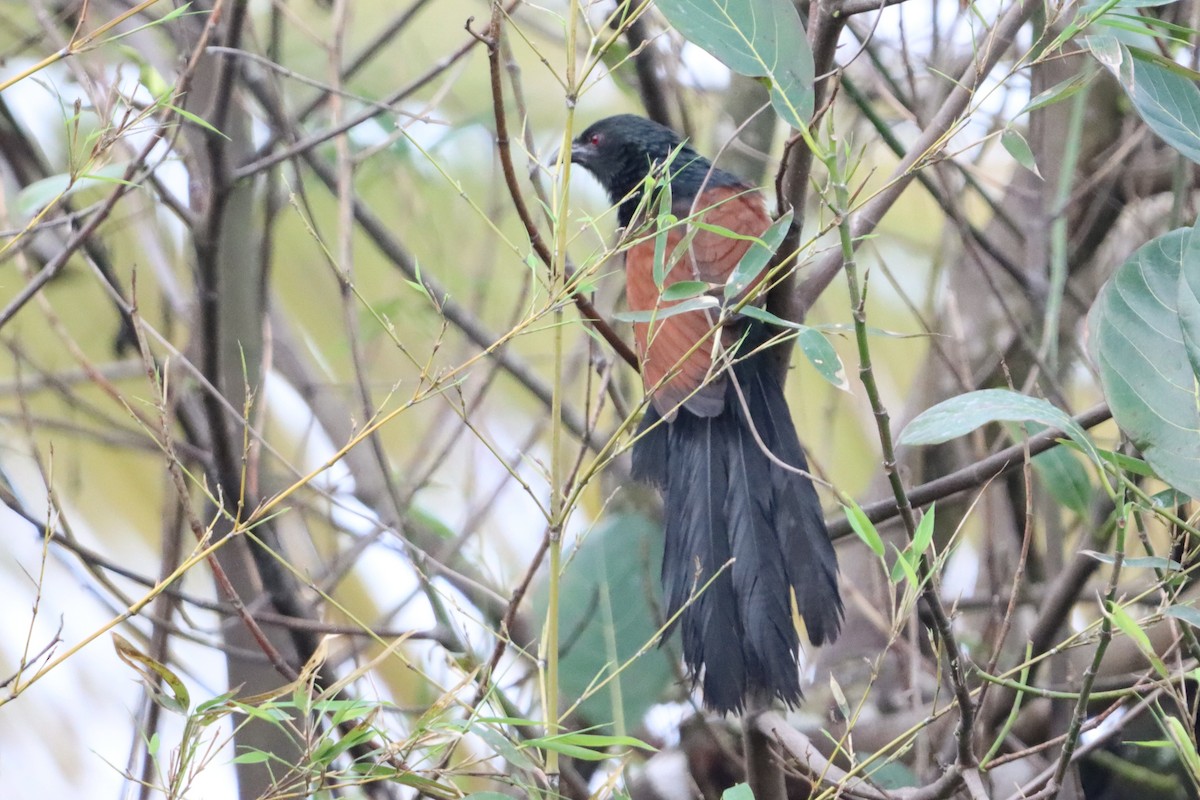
{"x": 581, "y": 154}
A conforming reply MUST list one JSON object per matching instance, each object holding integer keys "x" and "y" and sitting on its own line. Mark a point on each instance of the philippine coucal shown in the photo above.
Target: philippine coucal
{"x": 717, "y": 433}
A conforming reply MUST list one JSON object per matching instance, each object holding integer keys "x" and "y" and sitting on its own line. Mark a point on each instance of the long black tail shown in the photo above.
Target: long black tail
{"x": 726, "y": 499}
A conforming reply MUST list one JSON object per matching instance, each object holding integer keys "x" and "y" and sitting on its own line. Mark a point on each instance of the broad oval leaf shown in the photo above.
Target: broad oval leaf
{"x": 1189, "y": 301}
{"x": 1166, "y": 100}
{"x": 1136, "y": 338}
{"x": 756, "y": 38}
{"x": 960, "y": 415}
{"x": 608, "y": 611}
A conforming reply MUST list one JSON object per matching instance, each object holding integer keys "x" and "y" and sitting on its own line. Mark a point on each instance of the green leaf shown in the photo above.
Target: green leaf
{"x": 1137, "y": 341}
{"x": 504, "y": 748}
{"x": 596, "y": 740}
{"x": 1184, "y": 613}
{"x": 757, "y": 257}
{"x": 656, "y": 314}
{"x": 39, "y": 194}
{"x": 1181, "y": 737}
{"x": 816, "y": 348}
{"x": 923, "y": 536}
{"x": 1129, "y": 627}
{"x": 891, "y": 774}
{"x": 863, "y": 527}
{"x": 756, "y": 38}
{"x": 567, "y": 749}
{"x": 739, "y": 791}
{"x": 820, "y": 353}
{"x": 1167, "y": 101}
{"x": 1019, "y": 149}
{"x": 173, "y": 694}
{"x": 665, "y": 220}
{"x": 684, "y": 290}
{"x": 252, "y": 757}
{"x": 1061, "y": 472}
{"x": 1189, "y": 300}
{"x": 1139, "y": 562}
{"x": 1168, "y": 498}
{"x": 960, "y": 415}
{"x": 905, "y": 566}
{"x": 1058, "y": 92}
{"x": 609, "y": 616}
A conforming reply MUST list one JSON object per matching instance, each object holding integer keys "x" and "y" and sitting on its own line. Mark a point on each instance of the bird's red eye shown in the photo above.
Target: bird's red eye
{"x": 595, "y": 139}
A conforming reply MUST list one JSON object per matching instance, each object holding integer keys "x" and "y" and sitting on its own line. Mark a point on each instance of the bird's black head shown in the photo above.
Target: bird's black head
{"x": 622, "y": 150}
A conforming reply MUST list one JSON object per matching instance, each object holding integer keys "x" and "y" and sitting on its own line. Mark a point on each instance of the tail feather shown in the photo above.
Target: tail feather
{"x": 725, "y": 498}
{"x": 810, "y": 560}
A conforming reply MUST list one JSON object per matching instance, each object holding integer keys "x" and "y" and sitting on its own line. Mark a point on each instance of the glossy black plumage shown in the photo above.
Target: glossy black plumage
{"x": 725, "y": 501}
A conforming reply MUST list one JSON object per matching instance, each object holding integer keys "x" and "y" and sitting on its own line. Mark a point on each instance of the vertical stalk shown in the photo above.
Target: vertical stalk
{"x": 558, "y": 466}
{"x": 1058, "y": 230}
{"x": 1089, "y": 677}
{"x": 929, "y": 591}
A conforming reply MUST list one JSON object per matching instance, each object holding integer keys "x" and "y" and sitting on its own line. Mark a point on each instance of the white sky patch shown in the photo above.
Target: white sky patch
{"x": 701, "y": 70}
{"x": 1112, "y": 722}
{"x": 961, "y": 575}
{"x": 93, "y": 678}
{"x": 40, "y": 105}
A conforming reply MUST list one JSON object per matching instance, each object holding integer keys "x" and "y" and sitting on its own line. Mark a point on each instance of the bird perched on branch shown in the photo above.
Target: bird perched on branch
{"x": 745, "y": 538}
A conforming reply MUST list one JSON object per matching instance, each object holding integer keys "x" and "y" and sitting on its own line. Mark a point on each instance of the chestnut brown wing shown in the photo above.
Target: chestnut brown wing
{"x": 677, "y": 351}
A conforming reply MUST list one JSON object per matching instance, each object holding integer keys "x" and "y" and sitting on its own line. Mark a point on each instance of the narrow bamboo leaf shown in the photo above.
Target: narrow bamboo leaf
{"x": 820, "y": 353}
{"x": 567, "y": 749}
{"x": 924, "y": 533}
{"x": 904, "y": 567}
{"x": 664, "y": 223}
{"x": 657, "y": 314}
{"x": 757, "y": 257}
{"x": 597, "y": 740}
{"x": 505, "y": 748}
{"x": 1061, "y": 472}
{"x": 1181, "y": 737}
{"x": 252, "y": 757}
{"x": 1184, "y": 613}
{"x": 176, "y": 698}
{"x": 1138, "y": 562}
{"x": 39, "y": 194}
{"x": 1058, "y": 92}
{"x": 1168, "y": 498}
{"x": 756, "y": 38}
{"x": 863, "y": 527}
{"x": 1130, "y": 464}
{"x": 1019, "y": 149}
{"x": 684, "y": 290}
{"x": 1130, "y": 628}
{"x": 816, "y": 348}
